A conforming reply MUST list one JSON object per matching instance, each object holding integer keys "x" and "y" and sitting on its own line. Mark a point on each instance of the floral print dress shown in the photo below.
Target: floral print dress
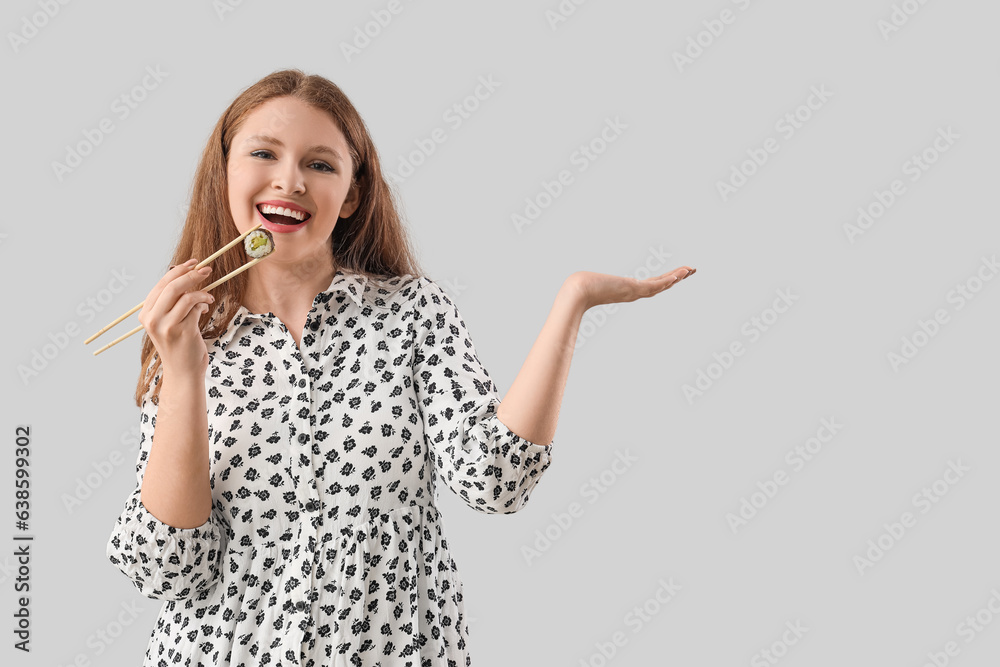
{"x": 325, "y": 545}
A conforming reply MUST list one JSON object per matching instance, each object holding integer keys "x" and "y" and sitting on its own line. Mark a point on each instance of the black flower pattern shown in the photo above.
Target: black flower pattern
{"x": 325, "y": 545}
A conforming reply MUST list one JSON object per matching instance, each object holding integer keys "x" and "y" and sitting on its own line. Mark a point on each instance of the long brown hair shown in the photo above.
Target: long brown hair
{"x": 372, "y": 241}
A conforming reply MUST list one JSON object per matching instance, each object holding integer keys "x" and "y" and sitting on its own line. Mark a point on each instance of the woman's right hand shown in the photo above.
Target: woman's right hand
{"x": 171, "y": 316}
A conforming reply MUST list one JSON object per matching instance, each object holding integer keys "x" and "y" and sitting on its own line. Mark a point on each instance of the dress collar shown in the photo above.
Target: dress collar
{"x": 352, "y": 283}
{"x": 357, "y": 286}
{"x": 343, "y": 281}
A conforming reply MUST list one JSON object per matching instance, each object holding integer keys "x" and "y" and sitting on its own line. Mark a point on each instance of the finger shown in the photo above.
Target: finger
{"x": 189, "y": 306}
{"x": 671, "y": 278}
{"x": 173, "y": 305}
{"x": 676, "y": 274}
{"x": 154, "y": 294}
{"x": 197, "y": 310}
{"x": 178, "y": 287}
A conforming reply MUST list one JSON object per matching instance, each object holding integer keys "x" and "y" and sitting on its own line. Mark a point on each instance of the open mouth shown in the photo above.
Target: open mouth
{"x": 282, "y": 216}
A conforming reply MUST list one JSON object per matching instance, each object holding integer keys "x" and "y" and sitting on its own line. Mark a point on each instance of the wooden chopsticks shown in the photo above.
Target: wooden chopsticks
{"x": 200, "y": 264}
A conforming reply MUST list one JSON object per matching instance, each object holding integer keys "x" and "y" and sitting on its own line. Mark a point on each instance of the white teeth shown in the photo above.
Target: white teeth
{"x": 298, "y": 215}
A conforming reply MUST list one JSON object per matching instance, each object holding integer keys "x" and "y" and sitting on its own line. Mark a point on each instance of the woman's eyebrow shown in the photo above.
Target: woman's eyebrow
{"x": 319, "y": 148}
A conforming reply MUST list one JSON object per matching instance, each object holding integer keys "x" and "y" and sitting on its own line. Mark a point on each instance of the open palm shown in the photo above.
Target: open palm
{"x": 602, "y": 288}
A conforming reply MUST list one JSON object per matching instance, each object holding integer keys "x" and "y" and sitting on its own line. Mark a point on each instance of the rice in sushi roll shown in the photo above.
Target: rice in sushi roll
{"x": 259, "y": 243}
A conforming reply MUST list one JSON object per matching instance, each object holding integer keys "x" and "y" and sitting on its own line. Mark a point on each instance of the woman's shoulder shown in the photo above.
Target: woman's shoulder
{"x": 392, "y": 282}
{"x": 384, "y": 291}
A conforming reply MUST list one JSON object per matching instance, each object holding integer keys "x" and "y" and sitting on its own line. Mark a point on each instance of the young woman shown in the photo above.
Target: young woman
{"x": 306, "y": 412}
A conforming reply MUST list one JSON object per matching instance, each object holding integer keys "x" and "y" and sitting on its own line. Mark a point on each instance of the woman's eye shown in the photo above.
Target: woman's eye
{"x": 326, "y": 167}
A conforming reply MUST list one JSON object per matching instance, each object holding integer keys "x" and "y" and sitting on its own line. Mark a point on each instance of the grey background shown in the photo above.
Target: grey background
{"x": 655, "y": 186}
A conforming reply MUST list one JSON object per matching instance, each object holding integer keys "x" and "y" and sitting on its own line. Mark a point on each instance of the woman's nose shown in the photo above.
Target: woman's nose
{"x": 288, "y": 179}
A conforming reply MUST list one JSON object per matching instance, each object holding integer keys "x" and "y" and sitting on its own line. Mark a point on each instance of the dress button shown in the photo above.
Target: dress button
{"x": 302, "y": 382}
{"x": 314, "y": 325}
{"x": 300, "y": 605}
{"x": 303, "y": 437}
{"x": 312, "y": 505}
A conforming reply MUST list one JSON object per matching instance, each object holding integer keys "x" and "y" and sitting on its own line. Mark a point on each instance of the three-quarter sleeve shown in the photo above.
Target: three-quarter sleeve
{"x": 164, "y": 562}
{"x": 489, "y": 466}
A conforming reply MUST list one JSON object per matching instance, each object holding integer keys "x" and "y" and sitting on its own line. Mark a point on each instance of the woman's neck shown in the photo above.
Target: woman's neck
{"x": 285, "y": 289}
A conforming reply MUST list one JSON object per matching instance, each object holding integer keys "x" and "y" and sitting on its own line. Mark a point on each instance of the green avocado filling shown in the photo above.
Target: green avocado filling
{"x": 258, "y": 242}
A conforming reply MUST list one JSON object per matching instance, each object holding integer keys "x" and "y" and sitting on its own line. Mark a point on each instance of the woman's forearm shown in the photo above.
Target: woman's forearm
{"x": 175, "y": 485}
{"x": 531, "y": 407}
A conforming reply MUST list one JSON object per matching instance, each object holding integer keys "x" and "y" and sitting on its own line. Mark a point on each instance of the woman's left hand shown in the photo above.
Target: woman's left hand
{"x": 597, "y": 289}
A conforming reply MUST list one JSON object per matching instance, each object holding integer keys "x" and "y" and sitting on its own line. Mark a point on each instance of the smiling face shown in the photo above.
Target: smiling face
{"x": 290, "y": 158}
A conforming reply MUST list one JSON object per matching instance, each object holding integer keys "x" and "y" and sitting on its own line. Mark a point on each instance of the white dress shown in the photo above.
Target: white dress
{"x": 325, "y": 545}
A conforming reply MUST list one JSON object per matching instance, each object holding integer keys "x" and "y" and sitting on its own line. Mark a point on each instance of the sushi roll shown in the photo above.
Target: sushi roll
{"x": 259, "y": 243}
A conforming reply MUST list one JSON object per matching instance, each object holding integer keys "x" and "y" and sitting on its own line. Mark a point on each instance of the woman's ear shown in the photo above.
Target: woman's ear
{"x": 352, "y": 201}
